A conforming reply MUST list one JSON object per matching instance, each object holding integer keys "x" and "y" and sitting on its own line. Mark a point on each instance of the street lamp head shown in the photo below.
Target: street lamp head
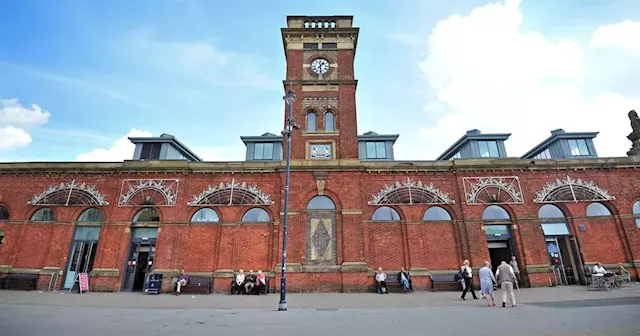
{"x": 290, "y": 97}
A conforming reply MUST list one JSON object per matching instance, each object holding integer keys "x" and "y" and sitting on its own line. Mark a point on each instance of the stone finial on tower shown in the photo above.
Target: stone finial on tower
{"x": 635, "y": 134}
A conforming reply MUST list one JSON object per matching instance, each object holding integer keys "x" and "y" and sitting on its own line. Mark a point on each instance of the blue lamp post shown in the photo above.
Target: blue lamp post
{"x": 289, "y": 98}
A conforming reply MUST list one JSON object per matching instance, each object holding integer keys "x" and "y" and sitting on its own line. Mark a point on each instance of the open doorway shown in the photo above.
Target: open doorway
{"x": 564, "y": 258}
{"x": 139, "y": 261}
{"x": 499, "y": 251}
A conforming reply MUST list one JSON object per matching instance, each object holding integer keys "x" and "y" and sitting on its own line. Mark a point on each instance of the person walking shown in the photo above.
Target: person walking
{"x": 516, "y": 269}
{"x": 467, "y": 277}
{"x": 486, "y": 284}
{"x": 506, "y": 278}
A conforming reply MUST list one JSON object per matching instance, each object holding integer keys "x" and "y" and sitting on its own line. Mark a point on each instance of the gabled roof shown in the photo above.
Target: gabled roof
{"x": 168, "y": 138}
{"x": 373, "y": 136}
{"x": 473, "y": 134}
{"x": 266, "y": 137}
{"x": 556, "y": 135}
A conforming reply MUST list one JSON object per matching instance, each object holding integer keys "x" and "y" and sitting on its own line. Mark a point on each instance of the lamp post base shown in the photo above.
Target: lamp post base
{"x": 282, "y": 306}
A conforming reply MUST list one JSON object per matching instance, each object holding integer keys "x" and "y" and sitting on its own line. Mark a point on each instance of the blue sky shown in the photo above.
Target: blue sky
{"x": 209, "y": 72}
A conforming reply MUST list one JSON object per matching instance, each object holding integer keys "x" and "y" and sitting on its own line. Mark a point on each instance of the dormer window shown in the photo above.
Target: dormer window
{"x": 263, "y": 151}
{"x": 150, "y": 151}
{"x": 578, "y": 147}
{"x": 544, "y": 155}
{"x": 488, "y": 148}
{"x": 376, "y": 150}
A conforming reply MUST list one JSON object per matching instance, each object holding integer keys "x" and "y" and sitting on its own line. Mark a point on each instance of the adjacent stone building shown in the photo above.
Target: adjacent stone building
{"x": 353, "y": 208}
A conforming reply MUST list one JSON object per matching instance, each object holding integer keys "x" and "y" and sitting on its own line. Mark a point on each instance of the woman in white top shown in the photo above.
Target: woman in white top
{"x": 486, "y": 284}
{"x": 467, "y": 275}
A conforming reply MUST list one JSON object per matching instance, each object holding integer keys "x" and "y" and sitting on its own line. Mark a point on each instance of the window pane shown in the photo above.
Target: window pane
{"x": 91, "y": 215}
{"x": 573, "y": 146}
{"x": 381, "y": 150}
{"x": 385, "y": 214}
{"x": 483, "y": 148}
{"x": 321, "y": 203}
{"x": 268, "y": 151}
{"x": 496, "y": 230}
{"x": 371, "y": 150}
{"x": 493, "y": 149}
{"x": 258, "y": 151}
{"x": 147, "y": 215}
{"x": 311, "y": 121}
{"x": 582, "y": 147}
{"x": 597, "y": 209}
{"x": 550, "y": 211}
{"x": 436, "y": 213}
{"x": 636, "y": 208}
{"x": 495, "y": 212}
{"x": 256, "y": 215}
{"x": 4, "y": 213}
{"x": 144, "y": 233}
{"x": 205, "y": 215}
{"x": 555, "y": 229}
{"x": 44, "y": 215}
{"x": 87, "y": 233}
{"x": 329, "y": 122}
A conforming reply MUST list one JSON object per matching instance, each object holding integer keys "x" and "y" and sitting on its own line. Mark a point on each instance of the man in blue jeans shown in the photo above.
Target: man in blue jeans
{"x": 405, "y": 279}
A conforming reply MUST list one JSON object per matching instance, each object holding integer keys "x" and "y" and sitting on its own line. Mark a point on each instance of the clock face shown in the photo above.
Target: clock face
{"x": 320, "y": 66}
{"x": 321, "y": 151}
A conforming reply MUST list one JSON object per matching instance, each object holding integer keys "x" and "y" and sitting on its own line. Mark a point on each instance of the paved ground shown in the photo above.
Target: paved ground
{"x": 545, "y": 311}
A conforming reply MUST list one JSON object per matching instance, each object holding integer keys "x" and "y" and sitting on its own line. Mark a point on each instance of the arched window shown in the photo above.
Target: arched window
{"x": 44, "y": 215}
{"x": 205, "y": 215}
{"x": 436, "y": 213}
{"x": 4, "y": 213}
{"x": 385, "y": 214}
{"x": 597, "y": 209}
{"x": 495, "y": 212}
{"x": 311, "y": 121}
{"x": 329, "y": 122}
{"x": 550, "y": 211}
{"x": 636, "y": 212}
{"x": 256, "y": 215}
{"x": 91, "y": 215}
{"x": 147, "y": 215}
{"x": 321, "y": 203}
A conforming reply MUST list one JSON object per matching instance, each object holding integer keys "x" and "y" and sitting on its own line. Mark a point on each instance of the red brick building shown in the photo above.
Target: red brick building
{"x": 352, "y": 208}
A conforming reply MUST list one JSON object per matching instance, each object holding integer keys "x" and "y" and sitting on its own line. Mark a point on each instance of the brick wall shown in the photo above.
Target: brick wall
{"x": 410, "y": 243}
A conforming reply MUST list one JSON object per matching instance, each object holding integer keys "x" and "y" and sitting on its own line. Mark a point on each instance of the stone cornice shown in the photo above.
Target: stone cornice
{"x": 184, "y": 167}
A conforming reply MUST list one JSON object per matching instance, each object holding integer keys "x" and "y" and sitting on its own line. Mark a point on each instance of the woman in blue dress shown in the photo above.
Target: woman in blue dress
{"x": 486, "y": 284}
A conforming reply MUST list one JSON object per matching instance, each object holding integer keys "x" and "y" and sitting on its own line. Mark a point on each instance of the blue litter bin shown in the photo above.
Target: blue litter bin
{"x": 155, "y": 284}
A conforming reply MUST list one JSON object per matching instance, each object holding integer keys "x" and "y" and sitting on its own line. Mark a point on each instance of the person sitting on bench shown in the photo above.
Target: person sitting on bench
{"x": 261, "y": 282}
{"x": 238, "y": 281}
{"x": 381, "y": 282}
{"x": 182, "y": 280}
{"x": 405, "y": 279}
{"x": 250, "y": 282}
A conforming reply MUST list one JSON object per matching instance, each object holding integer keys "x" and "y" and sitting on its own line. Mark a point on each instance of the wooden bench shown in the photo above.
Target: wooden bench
{"x": 21, "y": 281}
{"x": 392, "y": 282}
{"x": 443, "y": 278}
{"x": 265, "y": 290}
{"x": 197, "y": 286}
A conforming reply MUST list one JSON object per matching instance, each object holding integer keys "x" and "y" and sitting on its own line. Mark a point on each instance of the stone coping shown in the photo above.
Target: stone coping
{"x": 491, "y": 164}
{"x": 105, "y": 272}
{"x": 538, "y": 268}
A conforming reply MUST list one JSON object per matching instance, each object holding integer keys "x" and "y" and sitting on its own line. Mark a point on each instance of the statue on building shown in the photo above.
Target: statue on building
{"x": 635, "y": 121}
{"x": 635, "y": 134}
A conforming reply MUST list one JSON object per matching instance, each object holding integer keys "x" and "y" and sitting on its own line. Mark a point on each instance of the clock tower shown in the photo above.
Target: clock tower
{"x": 320, "y": 52}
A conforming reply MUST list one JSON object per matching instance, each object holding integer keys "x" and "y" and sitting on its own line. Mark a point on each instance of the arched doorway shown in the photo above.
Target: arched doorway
{"x": 497, "y": 230}
{"x": 561, "y": 246}
{"x": 321, "y": 231}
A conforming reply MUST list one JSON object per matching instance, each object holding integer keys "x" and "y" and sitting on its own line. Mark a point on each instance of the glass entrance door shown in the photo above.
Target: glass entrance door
{"x": 82, "y": 254}
{"x": 556, "y": 261}
{"x": 139, "y": 265}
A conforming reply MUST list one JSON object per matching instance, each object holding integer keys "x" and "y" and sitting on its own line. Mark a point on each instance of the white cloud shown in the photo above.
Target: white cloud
{"x": 491, "y": 75}
{"x": 13, "y": 137}
{"x": 624, "y": 35}
{"x": 120, "y": 151}
{"x": 15, "y": 119}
